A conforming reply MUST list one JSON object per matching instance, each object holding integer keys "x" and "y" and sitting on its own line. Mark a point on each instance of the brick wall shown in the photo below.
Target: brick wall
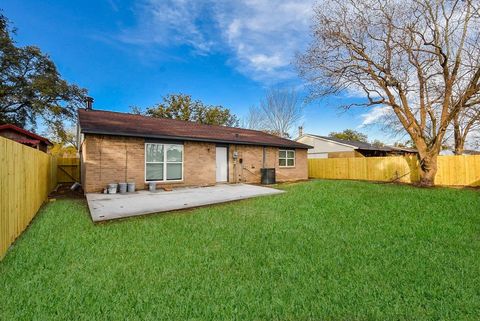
{"x": 112, "y": 159}
{"x": 252, "y": 161}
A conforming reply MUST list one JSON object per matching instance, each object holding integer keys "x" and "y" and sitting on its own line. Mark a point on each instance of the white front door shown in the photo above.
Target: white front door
{"x": 222, "y": 164}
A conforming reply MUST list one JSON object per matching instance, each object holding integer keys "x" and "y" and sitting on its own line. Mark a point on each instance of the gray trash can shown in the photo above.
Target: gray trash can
{"x": 122, "y": 187}
{"x": 131, "y": 187}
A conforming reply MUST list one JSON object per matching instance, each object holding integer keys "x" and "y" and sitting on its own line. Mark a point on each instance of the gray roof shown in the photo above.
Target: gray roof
{"x": 366, "y": 146}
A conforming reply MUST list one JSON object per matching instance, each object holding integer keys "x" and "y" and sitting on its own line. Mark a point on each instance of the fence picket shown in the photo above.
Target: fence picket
{"x": 452, "y": 170}
{"x": 26, "y": 178}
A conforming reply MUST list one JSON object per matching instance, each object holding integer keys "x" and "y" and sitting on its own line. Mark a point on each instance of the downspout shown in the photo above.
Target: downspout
{"x": 264, "y": 160}
{"x": 126, "y": 158}
{"x": 235, "y": 159}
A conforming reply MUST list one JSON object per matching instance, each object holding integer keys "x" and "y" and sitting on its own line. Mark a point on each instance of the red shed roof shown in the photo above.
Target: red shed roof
{"x": 123, "y": 124}
{"x": 35, "y": 138}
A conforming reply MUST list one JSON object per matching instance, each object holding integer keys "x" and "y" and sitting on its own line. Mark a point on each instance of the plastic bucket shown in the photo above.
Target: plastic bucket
{"x": 122, "y": 187}
{"x": 131, "y": 187}
{"x": 112, "y": 188}
{"x": 152, "y": 186}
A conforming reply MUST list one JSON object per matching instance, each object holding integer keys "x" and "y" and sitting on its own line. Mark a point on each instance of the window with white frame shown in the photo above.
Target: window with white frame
{"x": 163, "y": 162}
{"x": 286, "y": 158}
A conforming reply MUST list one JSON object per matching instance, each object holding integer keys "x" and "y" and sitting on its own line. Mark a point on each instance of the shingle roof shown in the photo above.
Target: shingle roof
{"x": 356, "y": 144}
{"x": 26, "y": 133}
{"x": 123, "y": 124}
{"x": 367, "y": 146}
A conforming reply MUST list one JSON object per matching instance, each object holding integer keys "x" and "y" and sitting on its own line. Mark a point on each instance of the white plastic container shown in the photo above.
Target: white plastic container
{"x": 112, "y": 188}
{"x": 152, "y": 186}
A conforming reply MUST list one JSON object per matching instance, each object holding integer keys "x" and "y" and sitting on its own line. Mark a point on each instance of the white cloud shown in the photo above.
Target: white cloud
{"x": 262, "y": 36}
{"x": 375, "y": 115}
{"x": 170, "y": 22}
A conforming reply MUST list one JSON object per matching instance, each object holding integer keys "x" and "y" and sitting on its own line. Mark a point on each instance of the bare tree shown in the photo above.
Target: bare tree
{"x": 254, "y": 119}
{"x": 465, "y": 124}
{"x": 418, "y": 57}
{"x": 279, "y": 112}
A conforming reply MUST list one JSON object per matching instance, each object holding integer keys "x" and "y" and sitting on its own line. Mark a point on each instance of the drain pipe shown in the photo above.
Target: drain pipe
{"x": 264, "y": 160}
{"x": 235, "y": 158}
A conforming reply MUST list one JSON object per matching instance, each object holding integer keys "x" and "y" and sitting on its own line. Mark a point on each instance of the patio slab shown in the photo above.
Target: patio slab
{"x": 112, "y": 206}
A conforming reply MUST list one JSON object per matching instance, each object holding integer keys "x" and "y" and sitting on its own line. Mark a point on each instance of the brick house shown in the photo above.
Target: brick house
{"x": 25, "y": 137}
{"x": 119, "y": 147}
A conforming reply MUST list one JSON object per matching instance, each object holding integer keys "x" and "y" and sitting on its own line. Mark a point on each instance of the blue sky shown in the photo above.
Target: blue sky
{"x": 222, "y": 52}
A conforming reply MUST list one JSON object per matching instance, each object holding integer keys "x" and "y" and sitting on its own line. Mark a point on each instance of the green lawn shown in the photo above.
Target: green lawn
{"x": 326, "y": 250}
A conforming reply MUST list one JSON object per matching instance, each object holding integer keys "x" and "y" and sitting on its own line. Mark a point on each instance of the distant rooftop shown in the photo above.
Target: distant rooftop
{"x": 34, "y": 138}
{"x": 365, "y": 146}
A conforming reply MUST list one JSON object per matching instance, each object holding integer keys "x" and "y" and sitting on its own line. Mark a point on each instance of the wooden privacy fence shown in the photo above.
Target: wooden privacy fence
{"x": 26, "y": 178}
{"x": 68, "y": 170}
{"x": 452, "y": 170}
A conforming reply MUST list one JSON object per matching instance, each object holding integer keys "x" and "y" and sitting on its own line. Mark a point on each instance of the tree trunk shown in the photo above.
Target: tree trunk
{"x": 458, "y": 137}
{"x": 428, "y": 169}
{"x": 459, "y": 146}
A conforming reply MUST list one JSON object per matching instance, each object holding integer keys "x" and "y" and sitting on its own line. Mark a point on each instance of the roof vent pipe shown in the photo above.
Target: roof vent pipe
{"x": 89, "y": 103}
{"x": 300, "y": 131}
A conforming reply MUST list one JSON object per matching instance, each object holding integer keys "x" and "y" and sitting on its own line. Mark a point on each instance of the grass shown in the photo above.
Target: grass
{"x": 326, "y": 250}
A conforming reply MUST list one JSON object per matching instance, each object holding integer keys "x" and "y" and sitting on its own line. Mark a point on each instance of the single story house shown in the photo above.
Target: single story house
{"x": 450, "y": 152}
{"x": 328, "y": 147}
{"x": 119, "y": 147}
{"x": 25, "y": 137}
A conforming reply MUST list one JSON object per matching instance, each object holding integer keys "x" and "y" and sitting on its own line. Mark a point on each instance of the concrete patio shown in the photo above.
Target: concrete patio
{"x": 112, "y": 206}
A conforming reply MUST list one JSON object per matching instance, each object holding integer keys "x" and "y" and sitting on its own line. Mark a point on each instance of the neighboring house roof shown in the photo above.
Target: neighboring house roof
{"x": 471, "y": 152}
{"x": 448, "y": 152}
{"x": 362, "y": 145}
{"x": 123, "y": 124}
{"x": 35, "y": 139}
{"x": 404, "y": 149}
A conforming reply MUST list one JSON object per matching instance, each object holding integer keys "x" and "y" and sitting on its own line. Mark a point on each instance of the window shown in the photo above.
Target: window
{"x": 286, "y": 158}
{"x": 163, "y": 162}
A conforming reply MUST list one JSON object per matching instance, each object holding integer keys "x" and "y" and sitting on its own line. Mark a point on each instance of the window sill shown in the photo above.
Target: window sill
{"x": 165, "y": 182}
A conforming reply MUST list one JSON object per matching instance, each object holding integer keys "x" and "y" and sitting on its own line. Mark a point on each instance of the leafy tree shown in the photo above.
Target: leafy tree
{"x": 31, "y": 89}
{"x": 400, "y": 145}
{"x": 182, "y": 107}
{"x": 61, "y": 150}
{"x": 350, "y": 134}
{"x": 67, "y": 138}
{"x": 378, "y": 143}
{"x": 215, "y": 115}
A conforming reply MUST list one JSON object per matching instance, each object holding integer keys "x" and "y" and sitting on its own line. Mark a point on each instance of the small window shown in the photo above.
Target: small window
{"x": 163, "y": 162}
{"x": 286, "y": 158}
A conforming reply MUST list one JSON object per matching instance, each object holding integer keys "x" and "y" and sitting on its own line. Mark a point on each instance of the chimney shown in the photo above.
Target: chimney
{"x": 89, "y": 103}
{"x": 300, "y": 131}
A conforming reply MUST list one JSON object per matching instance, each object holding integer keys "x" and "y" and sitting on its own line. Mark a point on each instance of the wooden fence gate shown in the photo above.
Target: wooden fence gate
{"x": 68, "y": 170}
